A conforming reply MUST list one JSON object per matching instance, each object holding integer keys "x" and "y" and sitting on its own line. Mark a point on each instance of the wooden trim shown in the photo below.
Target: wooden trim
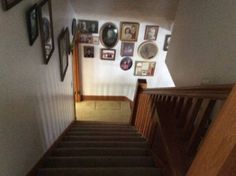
{"x": 218, "y": 144}
{"x": 107, "y": 98}
{"x": 34, "y": 170}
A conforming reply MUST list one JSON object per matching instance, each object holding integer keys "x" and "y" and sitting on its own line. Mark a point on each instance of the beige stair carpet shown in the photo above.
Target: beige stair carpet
{"x": 103, "y": 111}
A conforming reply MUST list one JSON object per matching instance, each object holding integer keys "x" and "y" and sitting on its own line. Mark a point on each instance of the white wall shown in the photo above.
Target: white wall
{"x": 35, "y": 106}
{"x": 202, "y": 49}
{"x": 102, "y": 77}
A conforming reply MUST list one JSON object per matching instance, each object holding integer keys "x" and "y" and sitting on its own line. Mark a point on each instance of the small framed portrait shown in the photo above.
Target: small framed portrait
{"x": 32, "y": 23}
{"x": 167, "y": 42}
{"x": 151, "y": 32}
{"x": 144, "y": 68}
{"x": 7, "y": 4}
{"x": 108, "y": 54}
{"x": 88, "y": 51}
{"x": 127, "y": 49}
{"x": 86, "y": 38}
{"x": 95, "y": 40}
{"x": 63, "y": 53}
{"x": 129, "y": 31}
{"x": 126, "y": 63}
{"x": 88, "y": 26}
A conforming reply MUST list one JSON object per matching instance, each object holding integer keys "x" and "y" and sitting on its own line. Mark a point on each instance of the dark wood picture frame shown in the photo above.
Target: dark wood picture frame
{"x": 167, "y": 42}
{"x": 109, "y": 36}
{"x": 73, "y": 27}
{"x": 63, "y": 53}
{"x": 151, "y": 32}
{"x": 7, "y": 4}
{"x": 89, "y": 52}
{"x": 32, "y": 23}
{"x": 88, "y": 26}
{"x": 46, "y": 29}
{"x": 108, "y": 54}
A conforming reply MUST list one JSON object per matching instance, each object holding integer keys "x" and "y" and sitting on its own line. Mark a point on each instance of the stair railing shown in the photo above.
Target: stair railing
{"x": 175, "y": 120}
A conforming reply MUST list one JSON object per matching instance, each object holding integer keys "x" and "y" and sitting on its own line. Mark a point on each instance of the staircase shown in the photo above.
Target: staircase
{"x": 100, "y": 149}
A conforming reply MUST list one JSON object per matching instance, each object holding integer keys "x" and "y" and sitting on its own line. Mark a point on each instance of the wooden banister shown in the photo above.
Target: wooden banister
{"x": 175, "y": 120}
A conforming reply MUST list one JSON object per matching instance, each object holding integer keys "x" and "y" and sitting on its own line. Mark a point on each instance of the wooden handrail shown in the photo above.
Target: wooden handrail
{"x": 175, "y": 120}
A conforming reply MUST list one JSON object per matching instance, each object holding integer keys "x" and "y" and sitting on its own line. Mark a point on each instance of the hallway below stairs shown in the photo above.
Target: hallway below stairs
{"x": 99, "y": 149}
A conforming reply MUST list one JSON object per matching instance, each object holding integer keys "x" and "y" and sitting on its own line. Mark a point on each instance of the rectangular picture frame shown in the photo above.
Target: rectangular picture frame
{"x": 108, "y": 54}
{"x": 143, "y": 68}
{"x": 88, "y": 26}
{"x": 7, "y": 4}
{"x": 129, "y": 31}
{"x": 151, "y": 32}
{"x": 32, "y": 23}
{"x": 127, "y": 49}
{"x": 88, "y": 51}
{"x": 46, "y": 29}
{"x": 167, "y": 42}
{"x": 63, "y": 53}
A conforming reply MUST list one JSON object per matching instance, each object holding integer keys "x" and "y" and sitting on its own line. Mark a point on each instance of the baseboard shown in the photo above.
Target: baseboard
{"x": 34, "y": 170}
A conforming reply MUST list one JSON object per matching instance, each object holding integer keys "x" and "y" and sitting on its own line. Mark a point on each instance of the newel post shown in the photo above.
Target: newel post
{"x": 141, "y": 85}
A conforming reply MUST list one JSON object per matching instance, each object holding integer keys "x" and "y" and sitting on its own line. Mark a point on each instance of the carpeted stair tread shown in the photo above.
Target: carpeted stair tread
{"x": 100, "y": 161}
{"x": 102, "y": 129}
{"x": 102, "y": 133}
{"x": 111, "y": 171}
{"x": 102, "y": 138}
{"x": 98, "y": 144}
{"x": 99, "y": 152}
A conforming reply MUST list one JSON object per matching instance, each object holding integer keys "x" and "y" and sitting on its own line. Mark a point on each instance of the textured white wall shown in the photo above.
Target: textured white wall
{"x": 102, "y": 77}
{"x": 202, "y": 49}
{"x": 35, "y": 106}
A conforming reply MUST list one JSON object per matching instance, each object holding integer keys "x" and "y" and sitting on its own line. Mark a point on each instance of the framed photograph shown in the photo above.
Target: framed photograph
{"x": 7, "y": 4}
{"x": 167, "y": 42}
{"x": 46, "y": 29}
{"x": 151, "y": 32}
{"x": 109, "y": 35}
{"x": 32, "y": 23}
{"x": 67, "y": 40}
{"x": 129, "y": 31}
{"x": 148, "y": 50}
{"x": 144, "y": 68}
{"x": 127, "y": 49}
{"x": 88, "y": 26}
{"x": 63, "y": 54}
{"x": 95, "y": 40}
{"x": 73, "y": 27}
{"x": 88, "y": 51}
{"x": 126, "y": 63}
{"x": 86, "y": 38}
{"x": 108, "y": 54}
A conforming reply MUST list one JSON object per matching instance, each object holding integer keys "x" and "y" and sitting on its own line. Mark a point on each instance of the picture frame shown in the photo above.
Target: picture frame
{"x": 63, "y": 53}
{"x": 67, "y": 33}
{"x": 88, "y": 26}
{"x": 151, "y": 32}
{"x": 88, "y": 51}
{"x": 109, "y": 35}
{"x": 32, "y": 23}
{"x": 126, "y": 63}
{"x": 46, "y": 29}
{"x": 108, "y": 54}
{"x": 86, "y": 38}
{"x": 127, "y": 49}
{"x": 95, "y": 40}
{"x": 148, "y": 50}
{"x": 7, "y": 4}
{"x": 144, "y": 68}
{"x": 73, "y": 27}
{"x": 129, "y": 31}
{"x": 167, "y": 42}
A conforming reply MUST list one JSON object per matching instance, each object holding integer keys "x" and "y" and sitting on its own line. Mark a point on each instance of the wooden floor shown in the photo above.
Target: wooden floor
{"x": 103, "y": 111}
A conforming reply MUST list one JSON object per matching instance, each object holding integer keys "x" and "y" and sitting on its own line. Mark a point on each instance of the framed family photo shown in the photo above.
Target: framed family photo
{"x": 32, "y": 23}
{"x": 143, "y": 68}
{"x": 129, "y": 31}
{"x": 7, "y": 4}
{"x": 108, "y": 54}
{"x": 151, "y": 32}
{"x": 46, "y": 29}
{"x": 88, "y": 26}
{"x": 89, "y": 51}
{"x": 127, "y": 49}
{"x": 126, "y": 63}
{"x": 86, "y": 38}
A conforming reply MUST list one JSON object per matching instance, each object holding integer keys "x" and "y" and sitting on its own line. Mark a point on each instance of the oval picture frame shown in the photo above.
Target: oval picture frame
{"x": 148, "y": 50}
{"x": 109, "y": 35}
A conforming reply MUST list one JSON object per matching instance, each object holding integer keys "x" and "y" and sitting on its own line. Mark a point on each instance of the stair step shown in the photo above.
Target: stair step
{"x": 102, "y": 133}
{"x": 79, "y": 128}
{"x": 117, "y": 171}
{"x": 102, "y": 125}
{"x": 60, "y": 162}
{"x": 99, "y": 144}
{"x": 102, "y": 138}
{"x": 99, "y": 152}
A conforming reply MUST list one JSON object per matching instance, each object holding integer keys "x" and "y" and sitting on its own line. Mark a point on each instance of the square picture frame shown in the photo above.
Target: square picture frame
{"x": 63, "y": 53}
{"x": 143, "y": 68}
{"x": 151, "y": 32}
{"x": 88, "y": 26}
{"x": 88, "y": 51}
{"x": 32, "y": 23}
{"x": 167, "y": 42}
{"x": 127, "y": 49}
{"x": 7, "y": 4}
{"x": 86, "y": 38}
{"x": 129, "y": 31}
{"x": 46, "y": 29}
{"x": 108, "y": 54}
